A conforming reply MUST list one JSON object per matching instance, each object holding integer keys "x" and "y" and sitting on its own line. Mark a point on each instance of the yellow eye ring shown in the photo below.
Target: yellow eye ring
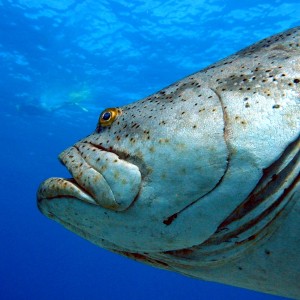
{"x": 108, "y": 116}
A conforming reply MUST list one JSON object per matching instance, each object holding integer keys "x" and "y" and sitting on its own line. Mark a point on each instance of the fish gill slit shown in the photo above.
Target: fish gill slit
{"x": 169, "y": 220}
{"x": 273, "y": 178}
{"x": 264, "y": 204}
{"x": 226, "y": 244}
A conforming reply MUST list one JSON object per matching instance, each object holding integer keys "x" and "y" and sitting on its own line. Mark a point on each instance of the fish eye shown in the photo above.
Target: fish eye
{"x": 108, "y": 116}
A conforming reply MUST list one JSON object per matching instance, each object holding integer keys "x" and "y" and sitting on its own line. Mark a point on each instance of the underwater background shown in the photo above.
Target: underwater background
{"x": 61, "y": 63}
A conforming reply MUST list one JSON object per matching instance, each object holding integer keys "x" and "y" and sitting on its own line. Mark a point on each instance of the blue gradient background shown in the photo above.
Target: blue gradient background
{"x": 61, "y": 63}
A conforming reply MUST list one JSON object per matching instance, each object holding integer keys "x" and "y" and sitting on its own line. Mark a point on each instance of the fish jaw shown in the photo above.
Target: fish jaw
{"x": 114, "y": 187}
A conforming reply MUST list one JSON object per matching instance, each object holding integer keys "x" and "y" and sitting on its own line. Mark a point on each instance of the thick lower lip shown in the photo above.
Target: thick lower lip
{"x": 55, "y": 187}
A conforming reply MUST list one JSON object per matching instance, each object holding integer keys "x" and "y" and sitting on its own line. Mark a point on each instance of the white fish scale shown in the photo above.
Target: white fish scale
{"x": 218, "y": 157}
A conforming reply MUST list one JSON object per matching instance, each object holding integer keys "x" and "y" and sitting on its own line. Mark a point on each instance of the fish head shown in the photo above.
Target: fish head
{"x": 165, "y": 172}
{"x": 144, "y": 163}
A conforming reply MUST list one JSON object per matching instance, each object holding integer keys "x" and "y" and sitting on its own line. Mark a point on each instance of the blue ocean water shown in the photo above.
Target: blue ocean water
{"x": 61, "y": 63}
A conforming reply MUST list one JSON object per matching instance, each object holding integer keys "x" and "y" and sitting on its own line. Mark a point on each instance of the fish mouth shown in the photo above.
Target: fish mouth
{"x": 99, "y": 177}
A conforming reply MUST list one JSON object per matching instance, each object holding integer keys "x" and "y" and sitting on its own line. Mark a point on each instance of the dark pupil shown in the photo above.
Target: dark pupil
{"x": 106, "y": 116}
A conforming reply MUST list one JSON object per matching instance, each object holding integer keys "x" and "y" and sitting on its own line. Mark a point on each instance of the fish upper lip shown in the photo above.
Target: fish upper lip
{"x": 121, "y": 154}
{"x": 100, "y": 177}
{"x": 87, "y": 177}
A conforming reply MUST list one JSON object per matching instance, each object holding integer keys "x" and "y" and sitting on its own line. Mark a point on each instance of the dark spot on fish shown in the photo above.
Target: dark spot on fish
{"x": 267, "y": 252}
{"x": 296, "y": 80}
{"x": 276, "y": 106}
{"x": 170, "y": 219}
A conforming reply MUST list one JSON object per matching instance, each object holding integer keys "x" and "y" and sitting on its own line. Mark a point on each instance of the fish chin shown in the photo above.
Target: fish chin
{"x": 57, "y": 189}
{"x": 99, "y": 178}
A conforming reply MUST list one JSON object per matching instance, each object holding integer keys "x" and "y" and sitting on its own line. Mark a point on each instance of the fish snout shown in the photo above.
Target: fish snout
{"x": 101, "y": 175}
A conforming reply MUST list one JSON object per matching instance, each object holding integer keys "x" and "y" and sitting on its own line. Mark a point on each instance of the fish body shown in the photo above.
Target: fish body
{"x": 202, "y": 177}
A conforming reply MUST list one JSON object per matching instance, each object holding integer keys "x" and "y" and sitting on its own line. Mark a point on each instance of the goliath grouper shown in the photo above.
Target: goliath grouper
{"x": 201, "y": 178}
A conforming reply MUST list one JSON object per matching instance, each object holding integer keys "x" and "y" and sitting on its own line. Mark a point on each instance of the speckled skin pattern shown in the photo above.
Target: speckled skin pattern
{"x": 201, "y": 178}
